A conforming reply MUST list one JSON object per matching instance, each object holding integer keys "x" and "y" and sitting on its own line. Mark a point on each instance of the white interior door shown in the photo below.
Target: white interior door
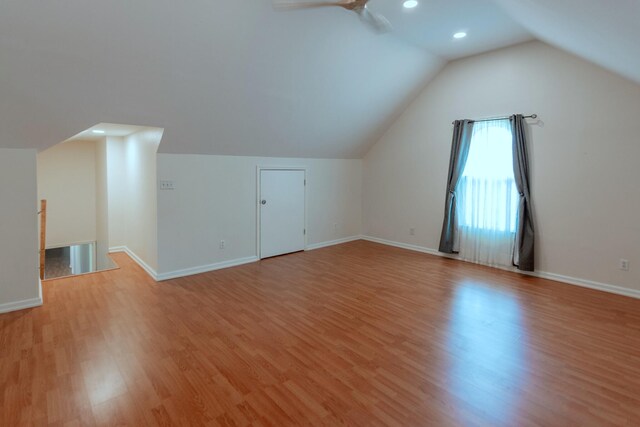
{"x": 281, "y": 212}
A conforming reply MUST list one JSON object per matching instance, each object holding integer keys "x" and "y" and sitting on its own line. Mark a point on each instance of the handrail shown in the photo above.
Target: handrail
{"x": 43, "y": 235}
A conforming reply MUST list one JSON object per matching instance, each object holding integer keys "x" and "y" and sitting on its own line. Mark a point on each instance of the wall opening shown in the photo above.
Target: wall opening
{"x": 100, "y": 189}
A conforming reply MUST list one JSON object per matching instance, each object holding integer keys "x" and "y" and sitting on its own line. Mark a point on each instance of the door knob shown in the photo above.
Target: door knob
{"x": 264, "y": 202}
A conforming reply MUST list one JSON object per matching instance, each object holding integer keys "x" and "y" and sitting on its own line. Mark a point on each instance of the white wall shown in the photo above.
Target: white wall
{"x": 131, "y": 164}
{"x": 67, "y": 180}
{"x": 117, "y": 188}
{"x": 19, "y": 287}
{"x": 584, "y": 158}
{"x": 215, "y": 199}
{"x": 102, "y": 206}
{"x": 141, "y": 204}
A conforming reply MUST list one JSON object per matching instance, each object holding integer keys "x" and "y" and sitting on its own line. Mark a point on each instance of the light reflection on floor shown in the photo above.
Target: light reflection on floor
{"x": 103, "y": 380}
{"x": 487, "y": 348}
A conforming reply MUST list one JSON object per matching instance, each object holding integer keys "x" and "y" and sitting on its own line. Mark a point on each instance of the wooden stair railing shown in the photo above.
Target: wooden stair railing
{"x": 43, "y": 235}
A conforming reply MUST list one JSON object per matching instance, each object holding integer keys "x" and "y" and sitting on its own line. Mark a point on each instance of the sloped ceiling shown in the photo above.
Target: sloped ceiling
{"x": 221, "y": 77}
{"x": 604, "y": 32}
{"x": 236, "y": 77}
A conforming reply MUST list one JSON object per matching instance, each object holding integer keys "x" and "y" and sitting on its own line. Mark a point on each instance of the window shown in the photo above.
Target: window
{"x": 487, "y": 198}
{"x": 487, "y": 194}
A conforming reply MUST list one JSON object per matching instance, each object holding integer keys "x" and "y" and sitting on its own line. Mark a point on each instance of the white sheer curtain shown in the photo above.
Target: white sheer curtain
{"x": 487, "y": 196}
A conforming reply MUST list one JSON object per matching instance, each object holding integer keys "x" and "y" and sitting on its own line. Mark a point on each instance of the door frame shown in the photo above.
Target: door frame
{"x": 259, "y": 170}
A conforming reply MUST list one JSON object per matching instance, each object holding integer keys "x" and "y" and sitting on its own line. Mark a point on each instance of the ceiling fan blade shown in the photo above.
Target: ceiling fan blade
{"x": 288, "y": 5}
{"x": 376, "y": 21}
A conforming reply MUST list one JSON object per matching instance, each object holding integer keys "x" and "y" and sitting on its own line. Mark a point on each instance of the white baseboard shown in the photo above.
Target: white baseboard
{"x": 150, "y": 271}
{"x": 205, "y": 268}
{"x": 605, "y": 287}
{"x": 234, "y": 262}
{"x": 332, "y": 242}
{"x": 403, "y": 245}
{"x": 20, "y": 305}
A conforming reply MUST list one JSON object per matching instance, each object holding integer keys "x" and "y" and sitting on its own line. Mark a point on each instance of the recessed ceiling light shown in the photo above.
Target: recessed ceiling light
{"x": 410, "y": 4}
{"x": 98, "y": 131}
{"x": 460, "y": 35}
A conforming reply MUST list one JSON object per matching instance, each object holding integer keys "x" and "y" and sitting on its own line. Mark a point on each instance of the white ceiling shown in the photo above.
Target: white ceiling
{"x": 604, "y": 32}
{"x": 106, "y": 129}
{"x": 432, "y": 23}
{"x": 236, "y": 77}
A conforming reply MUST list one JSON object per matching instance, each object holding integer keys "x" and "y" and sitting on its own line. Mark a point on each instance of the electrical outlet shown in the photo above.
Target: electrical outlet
{"x": 412, "y": 232}
{"x": 335, "y": 228}
{"x": 167, "y": 185}
{"x": 623, "y": 264}
{"x": 223, "y": 244}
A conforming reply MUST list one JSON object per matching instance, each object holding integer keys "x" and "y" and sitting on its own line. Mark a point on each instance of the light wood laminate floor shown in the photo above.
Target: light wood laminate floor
{"x": 355, "y": 334}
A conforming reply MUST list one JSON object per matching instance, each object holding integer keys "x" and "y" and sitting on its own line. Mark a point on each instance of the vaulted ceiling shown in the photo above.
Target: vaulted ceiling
{"x": 236, "y": 77}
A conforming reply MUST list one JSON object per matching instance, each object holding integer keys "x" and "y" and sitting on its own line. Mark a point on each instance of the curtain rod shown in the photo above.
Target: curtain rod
{"x": 532, "y": 116}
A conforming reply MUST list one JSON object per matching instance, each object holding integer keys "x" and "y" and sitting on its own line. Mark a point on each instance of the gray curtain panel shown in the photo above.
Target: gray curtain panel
{"x": 462, "y": 130}
{"x": 523, "y": 249}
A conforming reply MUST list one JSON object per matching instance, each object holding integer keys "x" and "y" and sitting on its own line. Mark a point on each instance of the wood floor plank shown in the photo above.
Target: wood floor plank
{"x": 355, "y": 334}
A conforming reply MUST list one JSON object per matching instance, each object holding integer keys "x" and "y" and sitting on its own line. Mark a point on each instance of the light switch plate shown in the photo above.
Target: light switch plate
{"x": 167, "y": 185}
